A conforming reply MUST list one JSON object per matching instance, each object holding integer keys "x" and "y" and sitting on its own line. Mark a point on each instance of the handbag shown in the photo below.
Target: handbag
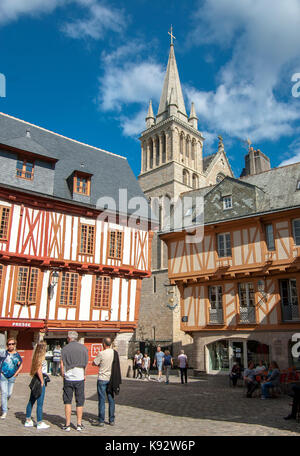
{"x": 35, "y": 386}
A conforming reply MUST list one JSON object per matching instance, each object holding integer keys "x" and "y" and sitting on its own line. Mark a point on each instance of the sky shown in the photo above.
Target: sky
{"x": 87, "y": 69}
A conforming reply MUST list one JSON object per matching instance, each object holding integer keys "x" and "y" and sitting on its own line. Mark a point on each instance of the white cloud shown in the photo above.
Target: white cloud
{"x": 10, "y": 10}
{"x": 128, "y": 81}
{"x": 97, "y": 17}
{"x": 295, "y": 150}
{"x": 263, "y": 37}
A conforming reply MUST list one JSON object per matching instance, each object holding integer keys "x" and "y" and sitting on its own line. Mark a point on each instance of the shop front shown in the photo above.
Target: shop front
{"x": 223, "y": 353}
{"x": 27, "y": 334}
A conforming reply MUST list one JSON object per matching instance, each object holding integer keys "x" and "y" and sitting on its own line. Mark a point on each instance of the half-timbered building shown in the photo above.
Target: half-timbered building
{"x": 240, "y": 285}
{"x": 62, "y": 264}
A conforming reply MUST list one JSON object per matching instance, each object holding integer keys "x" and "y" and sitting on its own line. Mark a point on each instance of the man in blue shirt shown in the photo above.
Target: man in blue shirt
{"x": 158, "y": 361}
{"x": 10, "y": 367}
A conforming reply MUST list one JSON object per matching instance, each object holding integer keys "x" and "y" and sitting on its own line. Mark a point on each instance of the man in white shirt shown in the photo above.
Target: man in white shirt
{"x": 104, "y": 360}
{"x": 183, "y": 364}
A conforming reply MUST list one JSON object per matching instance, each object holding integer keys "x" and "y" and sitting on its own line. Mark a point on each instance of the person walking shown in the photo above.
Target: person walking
{"x": 109, "y": 379}
{"x": 146, "y": 366}
{"x": 38, "y": 371}
{"x": 10, "y": 367}
{"x": 158, "y": 361}
{"x": 74, "y": 359}
{"x": 167, "y": 363}
{"x": 138, "y": 361}
{"x": 56, "y": 360}
{"x": 183, "y": 365}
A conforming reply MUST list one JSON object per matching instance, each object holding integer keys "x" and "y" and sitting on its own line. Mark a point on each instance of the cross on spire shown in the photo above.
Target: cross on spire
{"x": 171, "y": 34}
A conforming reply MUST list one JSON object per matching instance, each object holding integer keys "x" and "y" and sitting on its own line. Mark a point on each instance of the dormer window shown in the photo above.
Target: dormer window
{"x": 82, "y": 184}
{"x": 24, "y": 169}
{"x": 227, "y": 202}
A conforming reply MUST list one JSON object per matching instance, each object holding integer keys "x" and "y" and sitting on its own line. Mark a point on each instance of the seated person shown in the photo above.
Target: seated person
{"x": 235, "y": 373}
{"x": 260, "y": 367}
{"x": 273, "y": 379}
{"x": 296, "y": 403}
{"x": 249, "y": 377}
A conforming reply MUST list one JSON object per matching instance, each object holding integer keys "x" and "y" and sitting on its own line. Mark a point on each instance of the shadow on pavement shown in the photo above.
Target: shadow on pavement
{"x": 210, "y": 398}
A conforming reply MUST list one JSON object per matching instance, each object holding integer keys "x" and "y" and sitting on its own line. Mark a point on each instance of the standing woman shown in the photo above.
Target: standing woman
{"x": 11, "y": 365}
{"x": 38, "y": 368}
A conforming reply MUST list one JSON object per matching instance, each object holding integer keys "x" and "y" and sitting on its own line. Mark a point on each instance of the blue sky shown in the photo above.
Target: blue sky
{"x": 87, "y": 69}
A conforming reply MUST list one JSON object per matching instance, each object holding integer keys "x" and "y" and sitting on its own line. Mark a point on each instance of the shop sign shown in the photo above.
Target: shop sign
{"x": 95, "y": 349}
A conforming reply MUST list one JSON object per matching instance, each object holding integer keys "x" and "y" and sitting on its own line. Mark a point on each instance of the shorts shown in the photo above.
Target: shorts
{"x": 159, "y": 366}
{"x": 69, "y": 388}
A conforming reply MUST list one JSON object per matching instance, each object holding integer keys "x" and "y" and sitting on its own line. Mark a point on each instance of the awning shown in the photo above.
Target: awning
{"x": 21, "y": 323}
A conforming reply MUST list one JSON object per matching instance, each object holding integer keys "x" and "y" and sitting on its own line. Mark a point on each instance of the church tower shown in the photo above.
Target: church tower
{"x": 172, "y": 162}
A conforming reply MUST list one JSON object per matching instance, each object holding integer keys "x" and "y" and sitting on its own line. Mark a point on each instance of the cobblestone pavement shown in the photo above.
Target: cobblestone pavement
{"x": 205, "y": 407}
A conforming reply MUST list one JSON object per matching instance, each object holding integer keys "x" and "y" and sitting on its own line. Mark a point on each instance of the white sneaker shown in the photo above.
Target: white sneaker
{"x": 28, "y": 423}
{"x": 3, "y": 416}
{"x": 42, "y": 425}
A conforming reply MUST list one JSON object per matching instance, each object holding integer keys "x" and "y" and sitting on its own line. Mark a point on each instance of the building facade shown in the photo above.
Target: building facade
{"x": 65, "y": 262}
{"x": 240, "y": 286}
{"x": 172, "y": 162}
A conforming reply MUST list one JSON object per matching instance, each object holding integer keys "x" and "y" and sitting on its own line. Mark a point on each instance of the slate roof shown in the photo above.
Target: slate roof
{"x": 110, "y": 172}
{"x": 270, "y": 191}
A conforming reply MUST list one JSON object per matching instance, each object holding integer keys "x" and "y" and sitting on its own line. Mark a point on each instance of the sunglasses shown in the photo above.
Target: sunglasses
{"x": 11, "y": 344}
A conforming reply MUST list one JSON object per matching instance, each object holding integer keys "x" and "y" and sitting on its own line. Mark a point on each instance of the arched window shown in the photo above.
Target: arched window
{"x": 193, "y": 154}
{"x": 220, "y": 177}
{"x": 185, "y": 177}
{"x": 157, "y": 150}
{"x": 164, "y": 147}
{"x": 151, "y": 153}
{"x": 195, "y": 181}
{"x": 181, "y": 143}
{"x": 187, "y": 151}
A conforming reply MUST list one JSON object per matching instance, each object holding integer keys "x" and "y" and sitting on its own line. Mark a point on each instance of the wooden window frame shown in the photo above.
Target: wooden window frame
{"x": 224, "y": 202}
{"x": 60, "y": 291}
{"x": 294, "y": 235}
{"x": 247, "y": 294}
{"x": 101, "y": 306}
{"x": 219, "y": 300}
{"x": 23, "y": 171}
{"x": 2, "y": 208}
{"x": 86, "y": 226}
{"x": 225, "y": 246}
{"x": 266, "y": 234}
{"x": 88, "y": 184}
{"x": 114, "y": 257}
{"x": 29, "y": 286}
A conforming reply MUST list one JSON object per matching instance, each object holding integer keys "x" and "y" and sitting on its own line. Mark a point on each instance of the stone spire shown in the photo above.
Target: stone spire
{"x": 171, "y": 84}
{"x": 193, "y": 119}
{"x": 150, "y": 119}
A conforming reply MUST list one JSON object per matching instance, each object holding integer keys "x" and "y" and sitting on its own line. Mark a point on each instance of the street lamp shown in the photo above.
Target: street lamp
{"x": 54, "y": 281}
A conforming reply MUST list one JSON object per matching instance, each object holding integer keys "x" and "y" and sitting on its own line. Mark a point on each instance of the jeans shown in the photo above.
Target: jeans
{"x": 55, "y": 367}
{"x": 251, "y": 387}
{"x": 102, "y": 391}
{"x": 7, "y": 385}
{"x": 39, "y": 406}
{"x": 168, "y": 368}
{"x": 183, "y": 371}
{"x": 265, "y": 388}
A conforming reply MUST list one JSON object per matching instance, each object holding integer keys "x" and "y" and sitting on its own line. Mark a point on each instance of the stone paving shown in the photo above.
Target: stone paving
{"x": 206, "y": 407}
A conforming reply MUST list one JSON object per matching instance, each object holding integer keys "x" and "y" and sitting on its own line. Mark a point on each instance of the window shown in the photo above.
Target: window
{"x": 115, "y": 244}
{"x": 227, "y": 202}
{"x": 27, "y": 285}
{"x": 82, "y": 184}
{"x": 219, "y": 177}
{"x": 215, "y": 297}
{"x": 289, "y": 299}
{"x": 69, "y": 287}
{"x": 224, "y": 245}
{"x": 246, "y": 294}
{"x": 296, "y": 230}
{"x": 298, "y": 185}
{"x": 247, "y": 302}
{"x": 87, "y": 236}
{"x": 24, "y": 169}
{"x": 102, "y": 292}
{"x": 270, "y": 237}
{"x": 1, "y": 274}
{"x": 4, "y": 221}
